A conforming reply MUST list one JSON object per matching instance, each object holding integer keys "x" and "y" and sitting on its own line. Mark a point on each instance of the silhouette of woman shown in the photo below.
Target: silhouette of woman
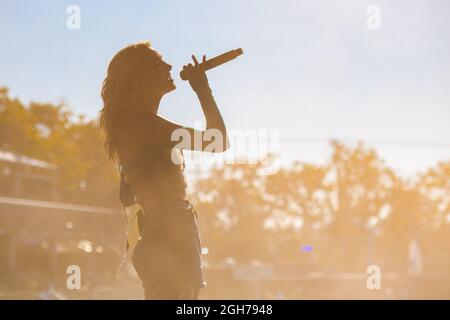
{"x": 167, "y": 257}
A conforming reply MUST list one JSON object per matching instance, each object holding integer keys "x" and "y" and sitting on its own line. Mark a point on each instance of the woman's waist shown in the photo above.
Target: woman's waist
{"x": 163, "y": 187}
{"x": 162, "y": 197}
{"x": 164, "y": 219}
{"x": 164, "y": 205}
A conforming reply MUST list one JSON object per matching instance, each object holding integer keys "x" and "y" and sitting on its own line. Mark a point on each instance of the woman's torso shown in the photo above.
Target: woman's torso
{"x": 154, "y": 171}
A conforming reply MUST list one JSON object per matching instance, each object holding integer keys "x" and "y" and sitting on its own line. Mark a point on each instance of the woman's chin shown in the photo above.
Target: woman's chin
{"x": 171, "y": 86}
{"x": 168, "y": 88}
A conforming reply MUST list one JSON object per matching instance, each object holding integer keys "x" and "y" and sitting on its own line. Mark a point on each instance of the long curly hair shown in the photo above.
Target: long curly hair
{"x": 126, "y": 90}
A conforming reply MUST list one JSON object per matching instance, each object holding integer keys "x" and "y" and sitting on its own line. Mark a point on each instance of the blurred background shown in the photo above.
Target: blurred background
{"x": 357, "y": 90}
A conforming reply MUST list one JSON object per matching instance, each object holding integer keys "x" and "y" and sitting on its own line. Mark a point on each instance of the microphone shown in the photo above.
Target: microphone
{"x": 217, "y": 61}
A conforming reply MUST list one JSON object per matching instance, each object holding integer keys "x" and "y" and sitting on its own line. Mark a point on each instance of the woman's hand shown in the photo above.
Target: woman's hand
{"x": 196, "y": 75}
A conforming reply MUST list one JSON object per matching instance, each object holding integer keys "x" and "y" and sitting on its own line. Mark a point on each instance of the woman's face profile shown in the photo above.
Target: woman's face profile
{"x": 164, "y": 82}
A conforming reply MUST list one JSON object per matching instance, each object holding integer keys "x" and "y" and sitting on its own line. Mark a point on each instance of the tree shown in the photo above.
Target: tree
{"x": 49, "y": 132}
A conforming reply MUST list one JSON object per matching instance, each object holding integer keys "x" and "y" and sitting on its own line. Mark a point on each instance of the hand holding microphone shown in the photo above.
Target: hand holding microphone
{"x": 195, "y": 74}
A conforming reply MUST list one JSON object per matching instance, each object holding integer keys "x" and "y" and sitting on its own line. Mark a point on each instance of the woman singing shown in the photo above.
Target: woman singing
{"x": 167, "y": 257}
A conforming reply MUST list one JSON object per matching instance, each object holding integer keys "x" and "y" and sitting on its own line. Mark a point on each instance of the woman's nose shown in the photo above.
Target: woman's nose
{"x": 169, "y": 67}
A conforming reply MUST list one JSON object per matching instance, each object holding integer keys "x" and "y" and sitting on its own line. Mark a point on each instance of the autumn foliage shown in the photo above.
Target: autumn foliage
{"x": 353, "y": 210}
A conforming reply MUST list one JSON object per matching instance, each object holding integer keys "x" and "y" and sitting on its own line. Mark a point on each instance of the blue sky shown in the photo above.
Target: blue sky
{"x": 311, "y": 68}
